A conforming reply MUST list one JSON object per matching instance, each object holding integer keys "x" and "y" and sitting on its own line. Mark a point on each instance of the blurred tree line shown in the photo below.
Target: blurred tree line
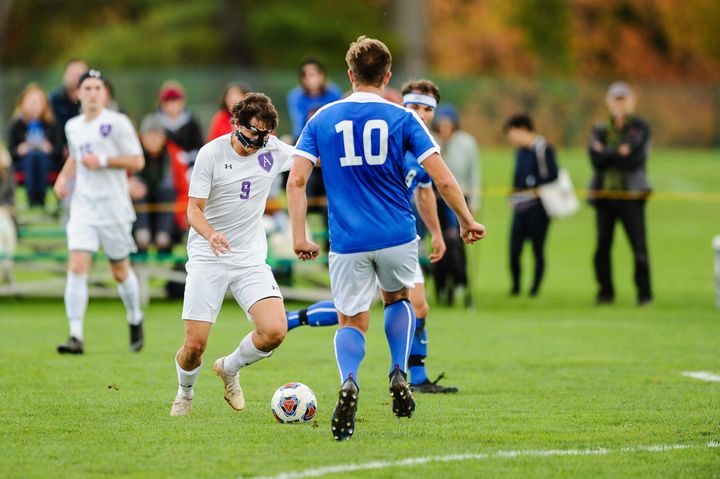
{"x": 634, "y": 39}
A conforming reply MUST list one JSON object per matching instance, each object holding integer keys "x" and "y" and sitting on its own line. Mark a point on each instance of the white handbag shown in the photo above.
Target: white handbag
{"x": 557, "y": 197}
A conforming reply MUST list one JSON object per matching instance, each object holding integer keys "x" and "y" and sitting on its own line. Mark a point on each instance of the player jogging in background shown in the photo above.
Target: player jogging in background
{"x": 362, "y": 141}
{"x": 422, "y": 96}
{"x": 227, "y": 247}
{"x": 103, "y": 147}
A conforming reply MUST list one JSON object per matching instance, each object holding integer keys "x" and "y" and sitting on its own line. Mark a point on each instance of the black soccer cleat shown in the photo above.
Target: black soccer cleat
{"x": 72, "y": 346}
{"x": 343, "y": 418}
{"x": 136, "y": 337}
{"x": 433, "y": 387}
{"x": 403, "y": 402}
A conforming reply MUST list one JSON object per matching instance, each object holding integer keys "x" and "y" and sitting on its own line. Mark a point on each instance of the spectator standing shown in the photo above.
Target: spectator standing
{"x": 619, "y": 189}
{"x": 220, "y": 124}
{"x": 180, "y": 126}
{"x": 462, "y": 155}
{"x": 160, "y": 189}
{"x": 34, "y": 141}
{"x": 314, "y": 92}
{"x": 64, "y": 100}
{"x": 535, "y": 165}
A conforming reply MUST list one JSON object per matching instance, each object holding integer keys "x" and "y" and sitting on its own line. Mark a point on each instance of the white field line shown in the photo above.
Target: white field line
{"x": 702, "y": 376}
{"x": 414, "y": 461}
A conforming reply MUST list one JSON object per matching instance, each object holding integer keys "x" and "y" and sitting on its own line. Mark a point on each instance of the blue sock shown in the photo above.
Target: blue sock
{"x": 322, "y": 313}
{"x": 349, "y": 352}
{"x": 399, "y": 329}
{"x": 418, "y": 353}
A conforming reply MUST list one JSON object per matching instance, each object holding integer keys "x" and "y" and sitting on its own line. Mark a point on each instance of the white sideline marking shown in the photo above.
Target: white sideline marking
{"x": 413, "y": 461}
{"x": 702, "y": 376}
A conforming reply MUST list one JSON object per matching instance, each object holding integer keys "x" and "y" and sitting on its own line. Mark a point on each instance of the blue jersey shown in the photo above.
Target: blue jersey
{"x": 415, "y": 174}
{"x": 361, "y": 142}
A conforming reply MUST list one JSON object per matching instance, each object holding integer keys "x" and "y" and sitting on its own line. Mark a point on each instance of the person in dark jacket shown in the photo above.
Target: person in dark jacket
{"x": 181, "y": 127}
{"x": 535, "y": 165}
{"x": 619, "y": 189}
{"x": 159, "y": 190}
{"x": 64, "y": 100}
{"x": 34, "y": 142}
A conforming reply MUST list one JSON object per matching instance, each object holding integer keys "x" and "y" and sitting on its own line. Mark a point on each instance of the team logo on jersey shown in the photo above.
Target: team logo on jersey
{"x": 105, "y": 130}
{"x": 265, "y": 160}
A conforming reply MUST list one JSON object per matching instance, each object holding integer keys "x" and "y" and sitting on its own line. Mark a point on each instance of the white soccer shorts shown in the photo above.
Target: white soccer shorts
{"x": 207, "y": 283}
{"x": 116, "y": 239}
{"x": 354, "y": 277}
{"x": 419, "y": 276}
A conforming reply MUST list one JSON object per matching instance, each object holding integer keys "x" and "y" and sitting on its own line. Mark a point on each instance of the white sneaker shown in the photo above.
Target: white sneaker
{"x": 233, "y": 392}
{"x": 181, "y": 406}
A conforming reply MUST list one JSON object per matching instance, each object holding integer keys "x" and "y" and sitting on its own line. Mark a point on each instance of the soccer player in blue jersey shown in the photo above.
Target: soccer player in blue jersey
{"x": 422, "y": 96}
{"x": 362, "y": 141}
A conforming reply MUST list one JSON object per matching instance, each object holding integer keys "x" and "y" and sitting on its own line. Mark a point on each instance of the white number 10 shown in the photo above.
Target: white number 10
{"x": 351, "y": 158}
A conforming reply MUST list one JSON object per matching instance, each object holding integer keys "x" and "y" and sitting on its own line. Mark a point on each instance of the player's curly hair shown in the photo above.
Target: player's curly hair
{"x": 423, "y": 86}
{"x": 255, "y": 105}
{"x": 369, "y": 59}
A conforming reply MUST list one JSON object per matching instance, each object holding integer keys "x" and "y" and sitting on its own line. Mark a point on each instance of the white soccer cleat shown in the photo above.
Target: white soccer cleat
{"x": 181, "y": 406}
{"x": 233, "y": 392}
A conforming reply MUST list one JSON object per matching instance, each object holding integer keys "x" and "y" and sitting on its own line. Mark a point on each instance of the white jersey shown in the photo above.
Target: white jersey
{"x": 101, "y": 196}
{"x": 236, "y": 188}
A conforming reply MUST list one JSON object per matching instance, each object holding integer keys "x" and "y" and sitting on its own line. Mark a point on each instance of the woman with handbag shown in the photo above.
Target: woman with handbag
{"x": 535, "y": 165}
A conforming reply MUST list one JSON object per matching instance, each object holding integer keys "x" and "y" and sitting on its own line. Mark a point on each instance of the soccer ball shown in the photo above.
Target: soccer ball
{"x": 293, "y": 402}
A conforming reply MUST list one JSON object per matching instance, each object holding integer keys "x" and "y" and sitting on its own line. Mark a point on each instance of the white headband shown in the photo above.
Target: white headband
{"x": 420, "y": 99}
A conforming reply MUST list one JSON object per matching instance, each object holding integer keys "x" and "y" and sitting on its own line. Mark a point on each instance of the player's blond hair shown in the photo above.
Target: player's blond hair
{"x": 369, "y": 60}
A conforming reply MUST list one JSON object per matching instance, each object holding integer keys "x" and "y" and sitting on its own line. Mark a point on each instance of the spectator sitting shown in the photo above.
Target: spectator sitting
{"x": 34, "y": 141}
{"x": 180, "y": 126}
{"x": 220, "y": 123}
{"x": 64, "y": 100}
{"x": 160, "y": 190}
{"x": 8, "y": 231}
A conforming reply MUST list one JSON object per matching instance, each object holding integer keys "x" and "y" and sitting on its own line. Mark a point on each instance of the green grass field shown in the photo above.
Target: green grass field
{"x": 549, "y": 387}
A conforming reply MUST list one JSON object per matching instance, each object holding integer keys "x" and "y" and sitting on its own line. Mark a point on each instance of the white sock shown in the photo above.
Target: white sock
{"x": 186, "y": 380}
{"x": 244, "y": 355}
{"x": 76, "y": 301}
{"x": 130, "y": 294}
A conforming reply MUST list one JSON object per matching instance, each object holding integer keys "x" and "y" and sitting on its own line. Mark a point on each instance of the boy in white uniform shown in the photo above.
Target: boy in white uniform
{"x": 227, "y": 248}
{"x": 103, "y": 147}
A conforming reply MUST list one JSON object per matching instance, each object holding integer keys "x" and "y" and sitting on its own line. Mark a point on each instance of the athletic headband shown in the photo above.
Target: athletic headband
{"x": 420, "y": 99}
{"x": 92, "y": 73}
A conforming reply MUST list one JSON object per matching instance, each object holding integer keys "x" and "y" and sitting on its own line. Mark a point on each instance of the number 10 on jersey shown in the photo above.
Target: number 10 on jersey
{"x": 351, "y": 157}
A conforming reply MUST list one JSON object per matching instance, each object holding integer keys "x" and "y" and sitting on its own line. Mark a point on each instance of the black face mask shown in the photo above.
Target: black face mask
{"x": 259, "y": 142}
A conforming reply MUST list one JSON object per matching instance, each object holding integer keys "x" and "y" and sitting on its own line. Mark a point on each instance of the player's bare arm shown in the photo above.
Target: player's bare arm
{"x": 427, "y": 207}
{"x": 297, "y": 208}
{"x": 67, "y": 172}
{"x": 196, "y": 218}
{"x": 131, "y": 163}
{"x": 470, "y": 230}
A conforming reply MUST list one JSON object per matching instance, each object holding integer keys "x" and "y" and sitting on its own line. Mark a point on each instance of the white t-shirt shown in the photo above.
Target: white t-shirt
{"x": 101, "y": 196}
{"x": 236, "y": 188}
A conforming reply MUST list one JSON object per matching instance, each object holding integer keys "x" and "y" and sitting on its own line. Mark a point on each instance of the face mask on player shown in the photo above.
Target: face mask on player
{"x": 259, "y": 142}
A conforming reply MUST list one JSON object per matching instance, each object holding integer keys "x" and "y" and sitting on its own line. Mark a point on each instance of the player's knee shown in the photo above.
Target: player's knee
{"x": 194, "y": 347}
{"x": 273, "y": 336}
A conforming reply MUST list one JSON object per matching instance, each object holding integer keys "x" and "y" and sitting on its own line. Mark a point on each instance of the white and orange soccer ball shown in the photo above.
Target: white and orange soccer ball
{"x": 294, "y": 403}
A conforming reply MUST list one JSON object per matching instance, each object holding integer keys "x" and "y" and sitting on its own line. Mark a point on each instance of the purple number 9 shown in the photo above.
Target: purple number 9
{"x": 244, "y": 190}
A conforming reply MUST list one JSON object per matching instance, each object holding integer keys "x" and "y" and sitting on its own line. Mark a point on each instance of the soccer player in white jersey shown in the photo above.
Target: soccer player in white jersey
{"x": 361, "y": 141}
{"x": 227, "y": 247}
{"x": 103, "y": 147}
